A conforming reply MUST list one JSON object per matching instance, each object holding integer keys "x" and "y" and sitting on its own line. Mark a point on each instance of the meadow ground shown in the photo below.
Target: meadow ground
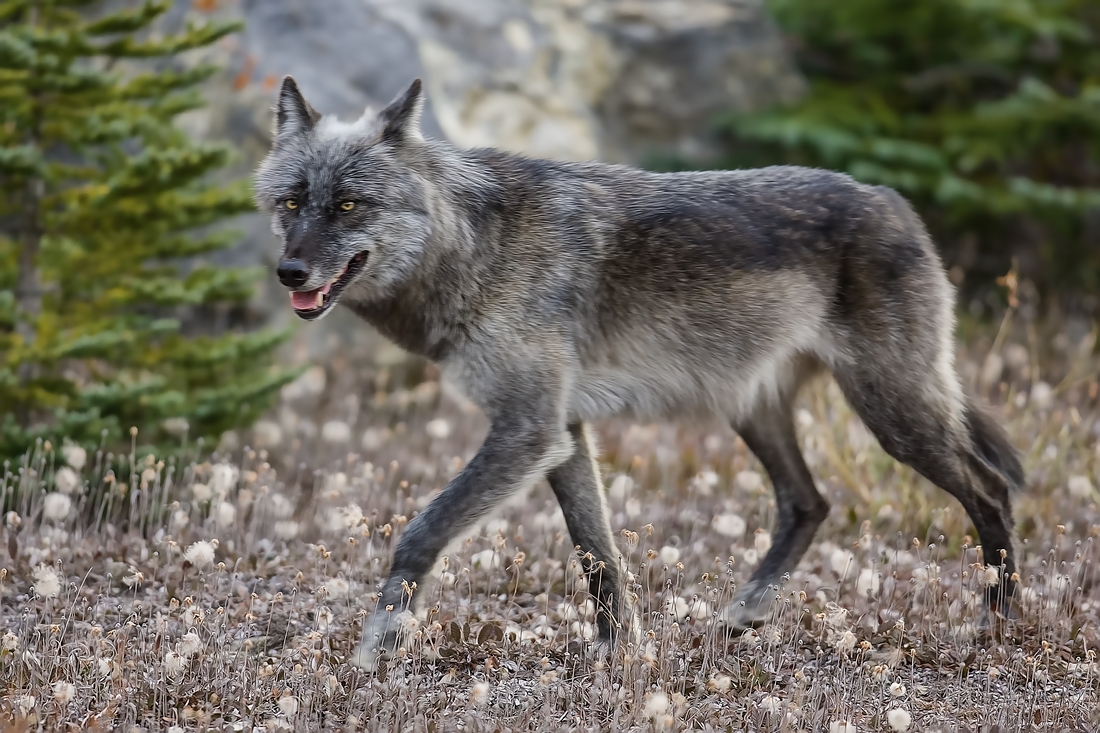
{"x": 227, "y": 589}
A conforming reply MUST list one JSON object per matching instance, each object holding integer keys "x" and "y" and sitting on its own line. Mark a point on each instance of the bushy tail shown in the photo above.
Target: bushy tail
{"x": 992, "y": 444}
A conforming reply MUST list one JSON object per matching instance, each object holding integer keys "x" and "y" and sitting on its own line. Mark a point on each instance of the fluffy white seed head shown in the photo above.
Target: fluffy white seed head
{"x": 868, "y": 582}
{"x": 46, "y": 582}
{"x": 64, "y": 692}
{"x": 192, "y": 616}
{"x": 351, "y": 516}
{"x": 656, "y": 705}
{"x": 279, "y": 506}
{"x": 992, "y": 575}
{"x": 479, "y": 693}
{"x": 438, "y": 428}
{"x": 337, "y": 482}
{"x": 174, "y": 664}
{"x": 633, "y": 507}
{"x": 225, "y": 514}
{"x": 201, "y": 492}
{"x": 486, "y": 559}
{"x": 177, "y": 426}
{"x": 719, "y": 683}
{"x": 668, "y": 555}
{"x": 56, "y": 506}
{"x": 748, "y": 480}
{"x": 190, "y": 645}
{"x": 223, "y": 478}
{"x": 67, "y": 480}
{"x": 899, "y": 719}
{"x": 729, "y": 525}
{"x": 678, "y": 607}
{"x": 1042, "y": 395}
{"x": 267, "y": 434}
{"x": 75, "y": 456}
{"x": 842, "y": 562}
{"x": 337, "y": 588}
{"x": 1080, "y": 487}
{"x": 620, "y": 486}
{"x": 286, "y": 530}
{"x": 200, "y": 554}
{"x": 180, "y": 519}
{"x": 336, "y": 432}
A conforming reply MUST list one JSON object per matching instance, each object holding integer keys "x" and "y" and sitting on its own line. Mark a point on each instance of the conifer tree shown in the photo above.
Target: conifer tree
{"x": 984, "y": 113}
{"x": 106, "y": 210}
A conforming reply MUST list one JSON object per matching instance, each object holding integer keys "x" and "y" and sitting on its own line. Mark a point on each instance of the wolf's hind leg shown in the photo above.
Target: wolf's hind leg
{"x": 770, "y": 435}
{"x": 924, "y": 421}
{"x": 577, "y": 485}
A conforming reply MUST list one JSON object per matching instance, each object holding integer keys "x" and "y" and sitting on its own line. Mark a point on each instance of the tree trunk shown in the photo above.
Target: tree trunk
{"x": 28, "y": 287}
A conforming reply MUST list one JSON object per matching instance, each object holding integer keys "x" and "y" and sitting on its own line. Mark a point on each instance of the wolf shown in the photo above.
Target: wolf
{"x": 555, "y": 294}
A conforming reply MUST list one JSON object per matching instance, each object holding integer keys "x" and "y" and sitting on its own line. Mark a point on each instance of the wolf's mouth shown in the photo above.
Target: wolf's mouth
{"x": 309, "y": 305}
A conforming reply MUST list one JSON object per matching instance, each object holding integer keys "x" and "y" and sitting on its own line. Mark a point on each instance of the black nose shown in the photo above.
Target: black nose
{"x": 293, "y": 273}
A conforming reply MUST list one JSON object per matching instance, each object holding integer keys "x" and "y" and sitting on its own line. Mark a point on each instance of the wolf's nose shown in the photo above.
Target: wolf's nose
{"x": 293, "y": 273}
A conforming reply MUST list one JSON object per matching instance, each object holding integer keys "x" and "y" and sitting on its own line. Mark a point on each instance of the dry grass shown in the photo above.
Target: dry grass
{"x": 114, "y": 618}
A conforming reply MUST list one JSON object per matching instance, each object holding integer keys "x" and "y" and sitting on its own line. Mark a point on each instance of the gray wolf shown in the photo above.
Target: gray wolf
{"x": 555, "y": 294}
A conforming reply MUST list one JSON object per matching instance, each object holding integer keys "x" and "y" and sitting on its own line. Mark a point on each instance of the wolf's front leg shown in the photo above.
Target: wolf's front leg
{"x": 518, "y": 451}
{"x": 580, "y": 493}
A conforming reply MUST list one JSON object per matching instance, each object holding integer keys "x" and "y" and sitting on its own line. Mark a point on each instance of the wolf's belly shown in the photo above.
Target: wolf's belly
{"x": 667, "y": 389}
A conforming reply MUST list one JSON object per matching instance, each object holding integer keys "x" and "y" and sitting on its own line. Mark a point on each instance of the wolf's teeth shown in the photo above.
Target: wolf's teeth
{"x": 320, "y": 299}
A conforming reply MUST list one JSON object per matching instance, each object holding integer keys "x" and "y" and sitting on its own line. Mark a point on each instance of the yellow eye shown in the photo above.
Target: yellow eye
{"x": 347, "y": 205}
{"x": 291, "y": 204}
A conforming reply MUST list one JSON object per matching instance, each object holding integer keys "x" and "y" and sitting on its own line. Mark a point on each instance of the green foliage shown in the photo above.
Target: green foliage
{"x": 105, "y": 209}
{"x": 984, "y": 113}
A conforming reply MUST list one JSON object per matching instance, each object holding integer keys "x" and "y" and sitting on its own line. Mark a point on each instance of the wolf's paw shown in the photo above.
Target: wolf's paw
{"x": 748, "y": 610}
{"x": 381, "y": 637}
{"x": 1008, "y": 610}
{"x": 628, "y": 631}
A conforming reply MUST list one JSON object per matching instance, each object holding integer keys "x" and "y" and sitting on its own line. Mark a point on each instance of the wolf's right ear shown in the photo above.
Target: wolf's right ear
{"x": 400, "y": 120}
{"x": 293, "y": 115}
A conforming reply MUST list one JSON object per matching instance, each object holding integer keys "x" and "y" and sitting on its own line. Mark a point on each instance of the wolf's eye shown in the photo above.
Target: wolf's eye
{"x": 347, "y": 206}
{"x": 291, "y": 204}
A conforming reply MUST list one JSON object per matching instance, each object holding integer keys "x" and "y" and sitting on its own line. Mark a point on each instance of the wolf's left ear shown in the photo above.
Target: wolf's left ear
{"x": 400, "y": 120}
{"x": 293, "y": 115}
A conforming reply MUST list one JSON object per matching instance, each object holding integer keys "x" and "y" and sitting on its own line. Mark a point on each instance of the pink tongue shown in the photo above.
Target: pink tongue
{"x": 304, "y": 301}
{"x": 308, "y": 300}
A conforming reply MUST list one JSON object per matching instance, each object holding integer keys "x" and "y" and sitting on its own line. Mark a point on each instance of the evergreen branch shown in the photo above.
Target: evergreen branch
{"x": 128, "y": 21}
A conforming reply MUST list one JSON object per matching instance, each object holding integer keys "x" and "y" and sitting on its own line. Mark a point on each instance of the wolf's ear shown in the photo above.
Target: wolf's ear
{"x": 400, "y": 120}
{"x": 293, "y": 115}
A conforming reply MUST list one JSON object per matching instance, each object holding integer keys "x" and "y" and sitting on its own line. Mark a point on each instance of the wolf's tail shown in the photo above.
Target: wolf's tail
{"x": 992, "y": 445}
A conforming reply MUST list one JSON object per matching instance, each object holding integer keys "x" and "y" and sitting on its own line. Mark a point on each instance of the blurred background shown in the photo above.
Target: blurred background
{"x": 137, "y": 283}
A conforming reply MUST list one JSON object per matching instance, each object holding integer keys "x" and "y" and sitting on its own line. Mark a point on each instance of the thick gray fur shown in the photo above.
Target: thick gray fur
{"x": 558, "y": 293}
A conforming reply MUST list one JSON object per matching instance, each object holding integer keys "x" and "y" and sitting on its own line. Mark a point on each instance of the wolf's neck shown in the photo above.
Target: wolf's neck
{"x": 427, "y": 313}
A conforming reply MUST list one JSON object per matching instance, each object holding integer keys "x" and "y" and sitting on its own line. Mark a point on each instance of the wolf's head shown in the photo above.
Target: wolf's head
{"x": 350, "y": 212}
